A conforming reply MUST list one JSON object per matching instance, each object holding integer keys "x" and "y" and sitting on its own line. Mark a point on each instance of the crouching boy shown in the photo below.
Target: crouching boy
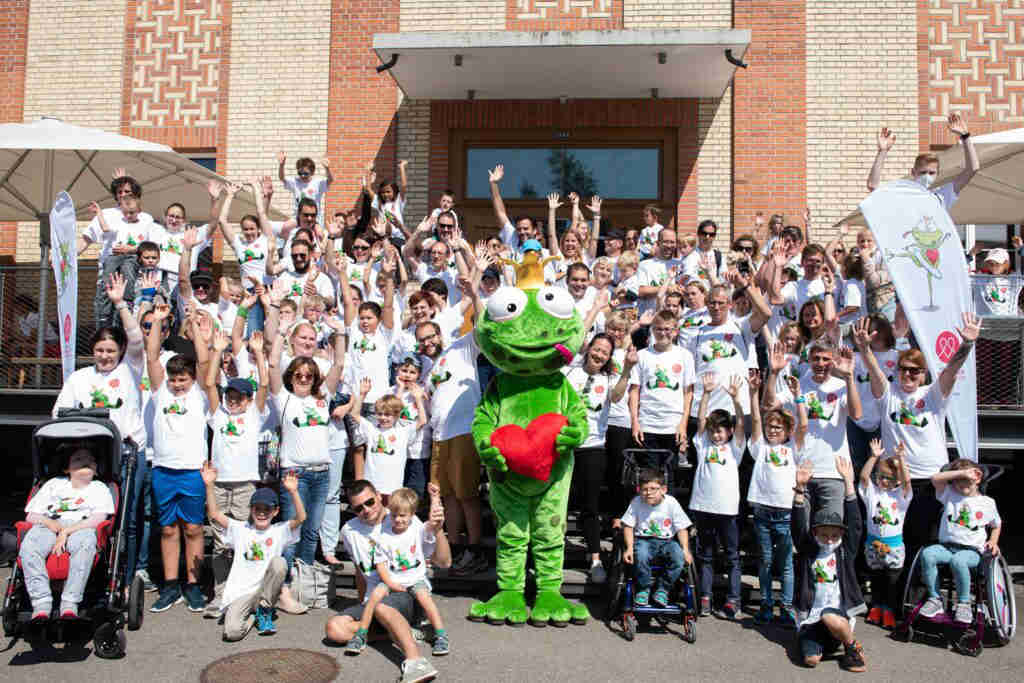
{"x": 827, "y": 594}
{"x": 258, "y": 570}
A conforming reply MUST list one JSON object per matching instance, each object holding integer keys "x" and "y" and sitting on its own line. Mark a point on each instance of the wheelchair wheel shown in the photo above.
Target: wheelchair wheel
{"x": 10, "y": 608}
{"x": 136, "y": 604}
{"x": 690, "y": 629}
{"x": 109, "y": 641}
{"x": 969, "y": 643}
{"x": 913, "y": 590}
{"x": 616, "y": 582}
{"x": 629, "y": 627}
{"x": 1001, "y": 604}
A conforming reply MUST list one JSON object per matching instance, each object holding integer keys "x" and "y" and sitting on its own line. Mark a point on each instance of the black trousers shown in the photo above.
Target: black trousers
{"x": 588, "y": 475}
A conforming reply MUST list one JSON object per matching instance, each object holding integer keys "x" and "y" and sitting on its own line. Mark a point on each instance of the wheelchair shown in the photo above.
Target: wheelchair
{"x": 994, "y": 606}
{"x": 620, "y": 587}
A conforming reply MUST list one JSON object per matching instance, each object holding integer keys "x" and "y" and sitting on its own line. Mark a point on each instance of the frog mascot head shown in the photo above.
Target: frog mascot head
{"x": 526, "y": 428}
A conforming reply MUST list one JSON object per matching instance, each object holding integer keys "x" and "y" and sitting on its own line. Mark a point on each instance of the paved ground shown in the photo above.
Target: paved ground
{"x": 177, "y": 645}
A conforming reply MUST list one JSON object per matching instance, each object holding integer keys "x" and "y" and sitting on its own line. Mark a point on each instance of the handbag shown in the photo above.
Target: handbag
{"x": 312, "y": 584}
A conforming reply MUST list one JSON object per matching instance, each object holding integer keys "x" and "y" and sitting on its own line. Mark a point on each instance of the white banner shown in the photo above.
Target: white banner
{"x": 64, "y": 258}
{"x": 921, "y": 248}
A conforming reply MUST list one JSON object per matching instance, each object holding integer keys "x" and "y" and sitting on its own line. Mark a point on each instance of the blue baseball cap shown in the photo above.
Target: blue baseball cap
{"x": 530, "y": 245}
{"x": 264, "y": 496}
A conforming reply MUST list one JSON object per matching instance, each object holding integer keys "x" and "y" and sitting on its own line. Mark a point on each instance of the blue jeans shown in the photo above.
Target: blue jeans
{"x": 254, "y": 321}
{"x": 417, "y": 474}
{"x": 960, "y": 560}
{"x": 313, "y": 488}
{"x": 713, "y": 529}
{"x": 859, "y": 441}
{"x": 771, "y": 527}
{"x": 330, "y": 525}
{"x": 137, "y": 524}
{"x": 665, "y": 550}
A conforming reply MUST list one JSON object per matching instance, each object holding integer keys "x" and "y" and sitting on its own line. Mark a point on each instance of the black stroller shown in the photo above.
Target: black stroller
{"x": 109, "y": 602}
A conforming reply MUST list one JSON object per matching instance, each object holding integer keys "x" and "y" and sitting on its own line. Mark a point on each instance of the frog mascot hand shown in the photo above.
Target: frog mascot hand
{"x": 526, "y": 428}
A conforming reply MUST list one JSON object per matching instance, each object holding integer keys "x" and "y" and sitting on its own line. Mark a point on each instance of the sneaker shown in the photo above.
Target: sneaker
{"x": 597, "y": 573}
{"x": 705, "y": 607}
{"x": 764, "y": 615}
{"x": 147, "y": 583}
{"x": 265, "y": 621}
{"x": 170, "y": 595}
{"x": 41, "y": 612}
{"x": 69, "y": 611}
{"x": 212, "y": 610}
{"x": 194, "y": 598}
{"x": 660, "y": 598}
{"x": 441, "y": 646}
{"x": 874, "y": 616}
{"x": 853, "y": 658}
{"x": 963, "y": 614}
{"x": 787, "y": 617}
{"x": 468, "y": 564}
{"x": 642, "y": 598}
{"x": 931, "y": 608}
{"x": 417, "y": 671}
{"x": 888, "y": 618}
{"x": 728, "y": 611}
{"x": 356, "y": 644}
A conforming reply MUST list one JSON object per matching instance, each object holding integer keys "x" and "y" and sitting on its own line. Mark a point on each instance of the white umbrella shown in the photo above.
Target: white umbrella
{"x": 996, "y": 192}
{"x": 41, "y": 158}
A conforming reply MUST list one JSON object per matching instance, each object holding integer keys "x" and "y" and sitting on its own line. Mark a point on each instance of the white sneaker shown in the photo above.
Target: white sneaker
{"x": 417, "y": 671}
{"x": 597, "y": 573}
{"x": 931, "y": 608}
{"x": 963, "y": 614}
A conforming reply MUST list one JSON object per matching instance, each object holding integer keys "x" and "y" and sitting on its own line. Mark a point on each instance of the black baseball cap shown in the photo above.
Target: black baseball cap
{"x": 264, "y": 496}
{"x": 241, "y": 385}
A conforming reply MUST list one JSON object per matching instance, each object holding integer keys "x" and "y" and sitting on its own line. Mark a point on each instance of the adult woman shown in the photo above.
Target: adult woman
{"x": 883, "y": 345}
{"x": 618, "y": 435}
{"x": 301, "y": 404}
{"x": 598, "y": 386}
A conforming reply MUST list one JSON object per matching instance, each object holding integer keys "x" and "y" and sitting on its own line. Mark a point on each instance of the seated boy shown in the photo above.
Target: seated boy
{"x": 258, "y": 570}
{"x": 64, "y": 514}
{"x": 827, "y": 595}
{"x": 652, "y": 519}
{"x": 966, "y": 515}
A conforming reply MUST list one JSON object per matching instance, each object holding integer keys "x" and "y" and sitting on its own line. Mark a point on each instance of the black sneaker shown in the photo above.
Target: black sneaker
{"x": 194, "y": 598}
{"x": 853, "y": 658}
{"x": 170, "y": 595}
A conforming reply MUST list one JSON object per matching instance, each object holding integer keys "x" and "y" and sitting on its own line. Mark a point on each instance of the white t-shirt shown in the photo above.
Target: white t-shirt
{"x": 304, "y": 431}
{"x": 663, "y": 378}
{"x": 887, "y": 360}
{"x": 966, "y": 518}
{"x": 254, "y": 551}
{"x": 693, "y": 266}
{"x": 800, "y": 292}
{"x": 117, "y": 390}
{"x": 663, "y": 520}
{"x": 148, "y": 407}
{"x": 121, "y": 233}
{"x": 252, "y": 259}
{"x": 449, "y": 320}
{"x": 690, "y": 324}
{"x": 369, "y": 356}
{"x": 716, "y": 483}
{"x": 649, "y": 239}
{"x": 994, "y": 295}
{"x": 393, "y": 211}
{"x": 315, "y": 188}
{"x": 827, "y": 594}
{"x": 918, "y": 420}
{"x": 455, "y": 389}
{"x": 946, "y": 194}
{"x": 171, "y": 249}
{"x": 386, "y": 453}
{"x": 886, "y": 509}
{"x": 595, "y": 391}
{"x": 827, "y": 410}
{"x": 725, "y": 350}
{"x": 297, "y": 281}
{"x": 618, "y": 412}
{"x": 58, "y": 499}
{"x": 652, "y": 273}
{"x": 854, "y": 294}
{"x": 774, "y": 475}
{"x": 362, "y": 542}
{"x": 421, "y": 443}
{"x": 179, "y": 428}
{"x": 236, "y": 443}
{"x": 406, "y": 553}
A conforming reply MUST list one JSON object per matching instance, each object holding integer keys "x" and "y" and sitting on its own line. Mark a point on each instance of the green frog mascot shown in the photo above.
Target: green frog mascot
{"x": 528, "y": 423}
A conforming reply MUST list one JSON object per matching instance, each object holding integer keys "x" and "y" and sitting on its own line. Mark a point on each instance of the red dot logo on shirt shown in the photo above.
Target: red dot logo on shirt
{"x": 728, "y": 337}
{"x": 270, "y": 542}
{"x": 412, "y": 549}
{"x": 115, "y": 383}
{"x": 320, "y": 403}
{"x": 890, "y": 363}
{"x": 832, "y": 398}
{"x": 677, "y": 368}
{"x": 978, "y": 514}
{"x": 666, "y": 522}
{"x": 946, "y": 345}
{"x": 920, "y": 404}
{"x": 599, "y": 389}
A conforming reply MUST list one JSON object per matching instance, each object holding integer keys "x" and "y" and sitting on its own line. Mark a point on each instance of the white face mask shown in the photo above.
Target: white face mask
{"x": 829, "y": 548}
{"x": 926, "y": 179}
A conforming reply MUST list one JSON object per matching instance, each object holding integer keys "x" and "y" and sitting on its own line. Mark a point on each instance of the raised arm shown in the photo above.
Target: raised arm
{"x": 328, "y": 176}
{"x": 553, "y": 204}
{"x": 862, "y": 337}
{"x": 189, "y": 239}
{"x": 213, "y": 511}
{"x": 388, "y": 268}
{"x": 876, "y": 451}
{"x": 135, "y": 348}
{"x": 403, "y": 179}
{"x": 495, "y": 177}
{"x": 225, "y": 209}
{"x": 843, "y": 369}
{"x": 886, "y": 138}
{"x": 290, "y": 483}
{"x": 620, "y": 388}
{"x": 754, "y": 383}
{"x": 274, "y": 365}
{"x": 958, "y": 126}
{"x": 338, "y": 366}
{"x": 209, "y": 379}
{"x": 281, "y": 158}
{"x": 595, "y": 230}
{"x": 156, "y": 371}
{"x": 710, "y": 383}
{"x": 776, "y": 364}
{"x": 969, "y": 334}
{"x": 733, "y": 388}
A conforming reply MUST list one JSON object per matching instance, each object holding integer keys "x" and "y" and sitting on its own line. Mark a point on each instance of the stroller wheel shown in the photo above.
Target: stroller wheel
{"x": 690, "y": 629}
{"x": 10, "y": 621}
{"x": 136, "y": 604}
{"x": 109, "y": 641}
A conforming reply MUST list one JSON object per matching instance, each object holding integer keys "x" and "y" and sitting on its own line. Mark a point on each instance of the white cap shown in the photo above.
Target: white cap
{"x": 997, "y": 255}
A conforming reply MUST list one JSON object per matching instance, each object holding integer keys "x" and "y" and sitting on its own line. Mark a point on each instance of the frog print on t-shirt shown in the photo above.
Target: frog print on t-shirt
{"x": 653, "y": 528}
{"x": 692, "y": 321}
{"x": 715, "y": 349}
{"x": 996, "y": 294}
{"x": 882, "y": 517}
{"x": 825, "y": 572}
{"x": 716, "y": 456}
{"x": 235, "y": 426}
{"x": 313, "y": 418}
{"x": 252, "y": 254}
{"x": 440, "y": 374}
{"x": 402, "y": 563}
{"x": 176, "y": 408}
{"x": 777, "y": 456}
{"x": 255, "y": 551}
{"x": 105, "y": 397}
{"x": 382, "y": 445}
{"x": 65, "y": 505}
{"x": 963, "y": 518}
{"x": 365, "y": 569}
{"x": 907, "y": 417}
{"x": 662, "y": 380}
{"x": 364, "y": 345}
{"x": 816, "y": 410}
{"x": 172, "y": 246}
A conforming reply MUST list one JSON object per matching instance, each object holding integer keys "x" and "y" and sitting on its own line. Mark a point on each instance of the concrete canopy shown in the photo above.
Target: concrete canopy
{"x": 555, "y": 64}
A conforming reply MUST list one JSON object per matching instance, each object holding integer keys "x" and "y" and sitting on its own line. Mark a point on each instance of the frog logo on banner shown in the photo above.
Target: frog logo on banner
{"x": 64, "y": 259}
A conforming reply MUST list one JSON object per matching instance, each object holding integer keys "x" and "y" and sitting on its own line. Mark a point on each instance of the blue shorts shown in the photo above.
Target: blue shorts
{"x": 180, "y": 495}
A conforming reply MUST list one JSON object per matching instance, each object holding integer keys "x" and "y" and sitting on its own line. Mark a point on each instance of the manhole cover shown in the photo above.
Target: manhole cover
{"x": 279, "y": 666}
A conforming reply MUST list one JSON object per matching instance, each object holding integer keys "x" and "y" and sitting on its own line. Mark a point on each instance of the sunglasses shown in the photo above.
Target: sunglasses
{"x": 308, "y": 216}
{"x": 201, "y": 285}
{"x": 304, "y": 174}
{"x": 356, "y": 247}
{"x": 708, "y": 234}
{"x": 912, "y": 371}
{"x": 303, "y": 376}
{"x": 446, "y": 225}
{"x": 748, "y": 249}
{"x": 148, "y": 326}
{"x": 365, "y": 505}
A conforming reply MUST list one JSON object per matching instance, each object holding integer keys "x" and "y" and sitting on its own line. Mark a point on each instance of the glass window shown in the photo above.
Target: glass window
{"x": 533, "y": 172}
{"x": 207, "y": 162}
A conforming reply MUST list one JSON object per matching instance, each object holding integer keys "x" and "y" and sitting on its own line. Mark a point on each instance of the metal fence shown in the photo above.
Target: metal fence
{"x": 1001, "y": 346}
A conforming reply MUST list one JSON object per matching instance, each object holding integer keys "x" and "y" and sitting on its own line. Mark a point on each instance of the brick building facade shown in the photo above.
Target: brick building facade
{"x": 238, "y": 80}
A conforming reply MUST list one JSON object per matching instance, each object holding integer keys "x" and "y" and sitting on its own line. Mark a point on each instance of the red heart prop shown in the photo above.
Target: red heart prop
{"x": 932, "y": 255}
{"x": 531, "y": 451}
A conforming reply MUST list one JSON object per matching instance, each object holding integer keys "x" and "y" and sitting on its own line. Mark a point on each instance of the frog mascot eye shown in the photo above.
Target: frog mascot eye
{"x": 506, "y": 303}
{"x": 556, "y": 302}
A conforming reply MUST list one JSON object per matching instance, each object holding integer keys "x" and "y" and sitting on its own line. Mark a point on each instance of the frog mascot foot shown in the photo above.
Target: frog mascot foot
{"x": 505, "y": 606}
{"x": 551, "y": 606}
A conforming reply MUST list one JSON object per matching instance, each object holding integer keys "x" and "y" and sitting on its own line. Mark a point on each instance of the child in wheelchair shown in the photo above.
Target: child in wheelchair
{"x": 64, "y": 514}
{"x": 963, "y": 539}
{"x": 649, "y": 524}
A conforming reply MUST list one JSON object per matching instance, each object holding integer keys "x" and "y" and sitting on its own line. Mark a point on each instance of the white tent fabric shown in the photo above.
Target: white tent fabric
{"x": 41, "y": 158}
{"x": 996, "y": 192}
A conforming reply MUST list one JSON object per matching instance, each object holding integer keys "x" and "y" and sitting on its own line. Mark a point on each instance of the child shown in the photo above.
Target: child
{"x": 147, "y": 260}
{"x": 962, "y": 540}
{"x": 715, "y": 500}
{"x": 121, "y": 239}
{"x": 389, "y": 203}
{"x": 302, "y": 184}
{"x": 258, "y": 570}
{"x": 648, "y": 525}
{"x": 417, "y": 467}
{"x": 387, "y": 443}
{"x": 771, "y": 496}
{"x": 64, "y": 514}
{"x": 886, "y": 501}
{"x": 237, "y": 423}
{"x": 403, "y": 567}
{"x": 827, "y": 593}
{"x": 179, "y": 450}
{"x": 652, "y": 226}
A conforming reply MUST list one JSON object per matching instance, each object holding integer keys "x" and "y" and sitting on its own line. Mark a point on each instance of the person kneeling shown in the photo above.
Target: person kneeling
{"x": 258, "y": 570}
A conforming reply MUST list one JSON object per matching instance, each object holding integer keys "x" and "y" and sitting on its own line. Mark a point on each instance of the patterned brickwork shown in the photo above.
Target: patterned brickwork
{"x": 468, "y": 15}
{"x": 563, "y": 15}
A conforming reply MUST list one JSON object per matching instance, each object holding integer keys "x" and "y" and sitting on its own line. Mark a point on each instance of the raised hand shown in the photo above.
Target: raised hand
{"x": 497, "y": 173}
{"x": 403, "y": 163}
{"x": 733, "y": 387}
{"x": 777, "y": 359}
{"x": 190, "y": 238}
{"x": 631, "y": 359}
{"x": 877, "y": 449}
{"x": 115, "y": 288}
{"x": 971, "y": 328}
{"x": 119, "y": 172}
{"x": 957, "y": 123}
{"x": 161, "y": 311}
{"x": 95, "y": 209}
{"x": 290, "y": 482}
{"x": 709, "y": 381}
{"x": 793, "y": 384}
{"x": 843, "y": 366}
{"x": 149, "y": 279}
{"x": 281, "y": 157}
{"x": 554, "y": 200}
{"x": 595, "y": 204}
{"x": 220, "y": 341}
{"x": 574, "y": 199}
{"x": 862, "y": 335}
{"x": 804, "y": 472}
{"x": 754, "y": 381}
{"x": 845, "y": 468}
{"x": 886, "y": 138}
{"x": 364, "y": 386}
{"x": 256, "y": 343}
{"x": 214, "y": 187}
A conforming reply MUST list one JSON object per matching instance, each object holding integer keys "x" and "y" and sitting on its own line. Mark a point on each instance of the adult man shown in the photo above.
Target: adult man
{"x": 297, "y": 280}
{"x": 513, "y": 236}
{"x": 705, "y": 261}
{"x": 926, "y": 166}
{"x": 440, "y": 253}
{"x": 653, "y": 271}
{"x": 397, "y": 609}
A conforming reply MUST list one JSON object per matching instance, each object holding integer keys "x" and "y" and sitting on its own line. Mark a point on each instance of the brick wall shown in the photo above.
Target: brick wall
{"x": 563, "y": 15}
{"x": 469, "y": 15}
{"x": 677, "y": 13}
{"x": 13, "y": 46}
{"x": 414, "y": 145}
{"x": 857, "y": 82}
